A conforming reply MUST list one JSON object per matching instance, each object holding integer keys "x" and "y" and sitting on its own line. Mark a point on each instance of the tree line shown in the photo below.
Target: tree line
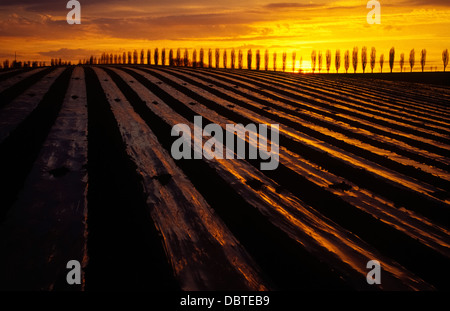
{"x": 6, "y": 64}
{"x": 371, "y": 60}
{"x": 258, "y": 60}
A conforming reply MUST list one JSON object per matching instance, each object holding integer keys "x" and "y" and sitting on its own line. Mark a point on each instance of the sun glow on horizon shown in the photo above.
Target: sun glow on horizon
{"x": 41, "y": 34}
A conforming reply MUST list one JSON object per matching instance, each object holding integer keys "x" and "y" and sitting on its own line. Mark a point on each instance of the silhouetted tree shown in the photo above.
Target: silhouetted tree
{"x": 373, "y": 57}
{"x": 301, "y": 62}
{"x": 364, "y": 58}
{"x": 249, "y": 59}
{"x": 258, "y": 60}
{"x": 328, "y": 60}
{"x": 412, "y": 59}
{"x": 135, "y": 57}
{"x": 115, "y": 60}
{"x": 294, "y": 56}
{"x": 163, "y": 56}
{"x": 355, "y": 59}
{"x": 142, "y": 56}
{"x": 172, "y": 61}
{"x": 284, "y": 56}
{"x": 423, "y": 58}
{"x": 402, "y": 61}
{"x": 210, "y": 58}
{"x": 178, "y": 61}
{"x": 240, "y": 59}
{"x": 225, "y": 58}
{"x": 202, "y": 58}
{"x": 130, "y": 58}
{"x": 156, "y": 56}
{"x": 217, "y": 58}
{"x": 194, "y": 58}
{"x": 320, "y": 61}
{"x": 337, "y": 60}
{"x": 274, "y": 61}
{"x": 124, "y": 58}
{"x": 149, "y": 57}
{"x": 391, "y": 58}
{"x": 266, "y": 60}
{"x": 119, "y": 60}
{"x": 346, "y": 60}
{"x": 186, "y": 58}
{"x": 233, "y": 59}
{"x": 313, "y": 60}
{"x": 445, "y": 58}
{"x": 381, "y": 62}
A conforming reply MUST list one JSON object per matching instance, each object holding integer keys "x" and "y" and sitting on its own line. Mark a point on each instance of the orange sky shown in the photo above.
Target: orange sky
{"x": 38, "y": 30}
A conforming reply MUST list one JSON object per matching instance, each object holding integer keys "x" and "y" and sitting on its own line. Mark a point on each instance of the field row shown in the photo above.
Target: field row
{"x": 364, "y": 174}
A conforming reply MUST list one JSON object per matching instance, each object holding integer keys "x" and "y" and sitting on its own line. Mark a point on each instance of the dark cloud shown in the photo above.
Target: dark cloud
{"x": 291, "y": 5}
{"x": 206, "y": 19}
{"x": 42, "y": 26}
{"x": 178, "y": 27}
{"x": 52, "y": 3}
{"x": 46, "y": 6}
{"x": 52, "y": 6}
{"x": 133, "y": 29}
{"x": 69, "y": 53}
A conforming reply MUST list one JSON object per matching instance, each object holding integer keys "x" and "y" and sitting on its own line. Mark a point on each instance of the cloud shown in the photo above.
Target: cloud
{"x": 207, "y": 19}
{"x": 65, "y": 53}
{"x": 290, "y": 5}
{"x": 180, "y": 27}
{"x": 392, "y": 27}
{"x": 40, "y": 26}
{"x": 428, "y": 3}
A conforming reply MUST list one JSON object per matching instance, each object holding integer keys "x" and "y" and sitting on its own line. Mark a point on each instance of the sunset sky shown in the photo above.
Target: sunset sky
{"x": 37, "y": 30}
